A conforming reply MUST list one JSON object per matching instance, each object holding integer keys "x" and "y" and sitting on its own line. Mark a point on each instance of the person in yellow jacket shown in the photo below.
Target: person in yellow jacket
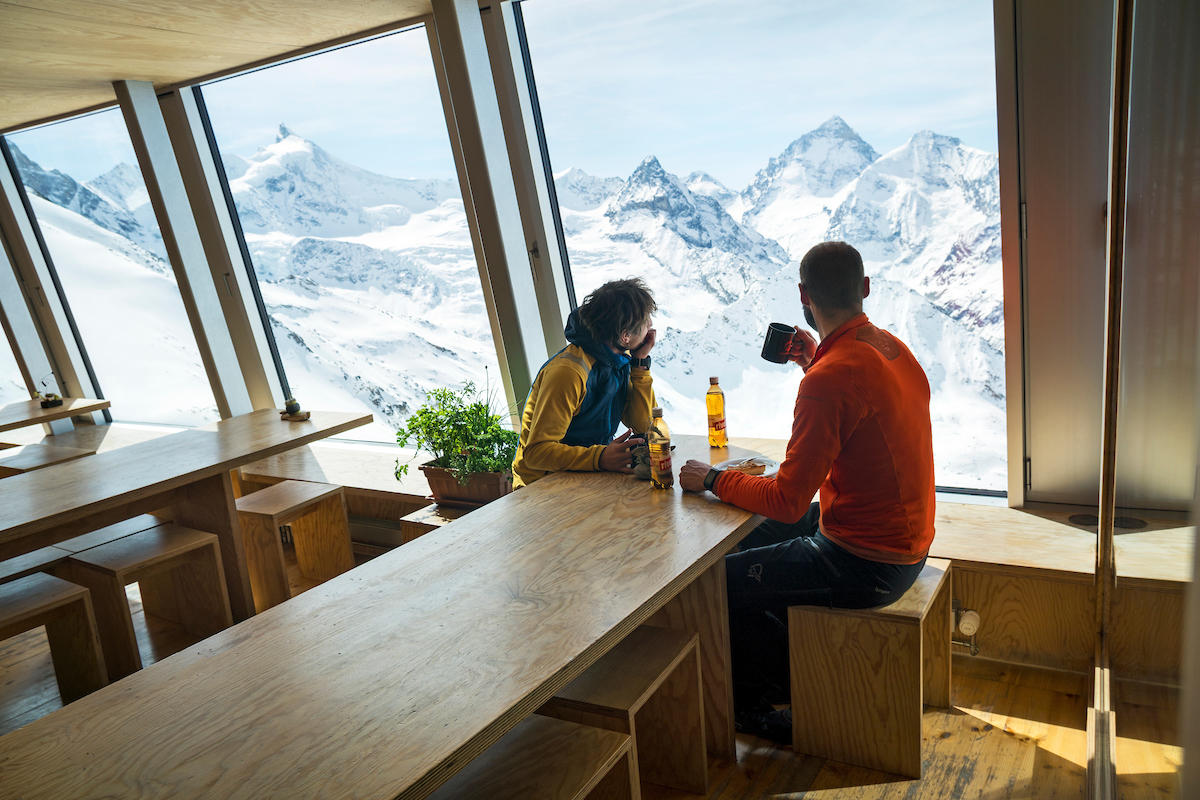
{"x": 586, "y": 389}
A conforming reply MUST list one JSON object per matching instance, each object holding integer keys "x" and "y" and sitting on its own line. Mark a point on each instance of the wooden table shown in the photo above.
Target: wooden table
{"x": 186, "y": 471}
{"x": 30, "y": 412}
{"x": 386, "y": 680}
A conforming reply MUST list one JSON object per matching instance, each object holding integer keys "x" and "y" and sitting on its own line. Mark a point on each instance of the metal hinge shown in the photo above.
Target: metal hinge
{"x": 1024, "y": 224}
{"x": 1028, "y": 473}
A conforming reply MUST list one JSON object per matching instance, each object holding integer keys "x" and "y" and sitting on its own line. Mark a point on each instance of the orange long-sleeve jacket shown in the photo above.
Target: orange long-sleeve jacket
{"x": 861, "y": 435}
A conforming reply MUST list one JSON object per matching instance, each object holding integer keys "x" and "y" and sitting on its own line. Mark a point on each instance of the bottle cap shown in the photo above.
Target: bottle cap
{"x": 713, "y": 381}
{"x": 657, "y": 411}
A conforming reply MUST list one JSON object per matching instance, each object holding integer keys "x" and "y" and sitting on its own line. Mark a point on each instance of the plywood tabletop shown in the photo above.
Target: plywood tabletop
{"x": 40, "y": 500}
{"x": 30, "y": 412}
{"x": 384, "y": 681}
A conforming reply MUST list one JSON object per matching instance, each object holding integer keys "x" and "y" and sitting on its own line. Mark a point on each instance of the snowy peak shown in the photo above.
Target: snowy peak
{"x": 579, "y": 191}
{"x": 295, "y": 186}
{"x": 122, "y": 185}
{"x": 819, "y": 163}
{"x": 100, "y": 209}
{"x": 705, "y": 185}
{"x": 933, "y": 162}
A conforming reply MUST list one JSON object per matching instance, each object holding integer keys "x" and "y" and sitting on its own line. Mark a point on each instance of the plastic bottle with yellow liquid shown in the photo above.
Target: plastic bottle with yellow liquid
{"x": 659, "y": 442}
{"x": 715, "y": 400}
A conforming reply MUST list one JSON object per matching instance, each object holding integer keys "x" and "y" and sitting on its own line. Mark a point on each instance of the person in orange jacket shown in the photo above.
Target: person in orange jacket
{"x": 600, "y": 379}
{"x": 862, "y": 438}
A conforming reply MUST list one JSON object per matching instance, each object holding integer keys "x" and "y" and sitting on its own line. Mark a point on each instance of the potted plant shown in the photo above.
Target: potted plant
{"x": 473, "y": 454}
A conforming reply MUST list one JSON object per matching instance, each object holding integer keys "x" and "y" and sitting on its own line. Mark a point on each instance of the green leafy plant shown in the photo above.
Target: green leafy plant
{"x": 462, "y": 432}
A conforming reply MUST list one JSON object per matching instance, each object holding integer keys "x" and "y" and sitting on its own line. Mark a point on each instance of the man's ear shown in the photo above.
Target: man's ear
{"x": 804, "y": 295}
{"x": 866, "y": 286}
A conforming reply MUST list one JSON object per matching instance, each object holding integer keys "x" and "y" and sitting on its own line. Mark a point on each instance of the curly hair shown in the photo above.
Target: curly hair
{"x": 616, "y": 308}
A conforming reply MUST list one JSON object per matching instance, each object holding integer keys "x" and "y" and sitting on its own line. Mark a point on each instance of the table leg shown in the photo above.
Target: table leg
{"x": 208, "y": 505}
{"x": 702, "y": 608}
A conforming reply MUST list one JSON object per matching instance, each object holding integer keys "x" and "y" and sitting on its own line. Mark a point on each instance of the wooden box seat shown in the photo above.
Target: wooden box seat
{"x": 65, "y": 609}
{"x": 181, "y": 578}
{"x": 316, "y": 513}
{"x": 430, "y": 518}
{"x": 860, "y": 678}
{"x": 548, "y": 759}
{"x": 648, "y": 686}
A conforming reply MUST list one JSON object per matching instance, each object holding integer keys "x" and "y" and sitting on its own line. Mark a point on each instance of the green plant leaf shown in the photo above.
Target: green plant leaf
{"x": 462, "y": 432}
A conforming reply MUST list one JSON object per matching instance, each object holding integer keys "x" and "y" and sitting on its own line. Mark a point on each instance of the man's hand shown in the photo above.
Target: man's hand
{"x": 802, "y": 348}
{"x": 692, "y": 474}
{"x": 646, "y": 346}
{"x": 617, "y": 456}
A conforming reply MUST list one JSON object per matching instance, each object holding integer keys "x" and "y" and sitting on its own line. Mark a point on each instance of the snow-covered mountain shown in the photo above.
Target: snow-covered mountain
{"x": 373, "y": 290}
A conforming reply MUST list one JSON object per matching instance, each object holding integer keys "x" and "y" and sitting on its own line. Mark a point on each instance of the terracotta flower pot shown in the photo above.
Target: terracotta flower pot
{"x": 483, "y": 487}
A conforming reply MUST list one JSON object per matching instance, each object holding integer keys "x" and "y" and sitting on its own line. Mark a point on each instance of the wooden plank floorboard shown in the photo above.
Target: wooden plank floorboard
{"x": 1148, "y": 754}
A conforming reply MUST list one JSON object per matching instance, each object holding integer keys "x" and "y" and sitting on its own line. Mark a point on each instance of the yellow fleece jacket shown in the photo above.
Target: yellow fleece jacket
{"x": 556, "y": 395}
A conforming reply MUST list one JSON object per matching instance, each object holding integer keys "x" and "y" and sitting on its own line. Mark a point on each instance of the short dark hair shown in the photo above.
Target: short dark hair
{"x": 832, "y": 274}
{"x": 616, "y": 308}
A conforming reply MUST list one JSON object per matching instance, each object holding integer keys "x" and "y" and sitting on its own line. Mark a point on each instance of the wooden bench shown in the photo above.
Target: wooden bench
{"x": 37, "y": 456}
{"x": 860, "y": 678}
{"x": 549, "y": 759}
{"x": 65, "y": 609}
{"x": 648, "y": 686}
{"x": 316, "y": 513}
{"x": 375, "y": 500}
{"x": 110, "y": 533}
{"x": 179, "y": 573}
{"x": 430, "y": 518}
{"x": 41, "y": 560}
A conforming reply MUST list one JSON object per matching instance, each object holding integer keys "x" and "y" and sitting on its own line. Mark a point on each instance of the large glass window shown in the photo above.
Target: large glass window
{"x": 706, "y": 147}
{"x": 90, "y": 201}
{"x": 12, "y": 385}
{"x": 341, "y": 170}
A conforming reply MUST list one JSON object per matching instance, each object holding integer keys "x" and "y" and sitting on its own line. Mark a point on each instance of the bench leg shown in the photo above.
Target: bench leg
{"x": 322, "y": 538}
{"x": 192, "y": 593}
{"x": 113, "y": 619}
{"x": 935, "y": 646}
{"x": 208, "y": 505}
{"x": 702, "y": 608}
{"x": 264, "y": 561}
{"x": 670, "y": 731}
{"x": 75, "y": 650}
{"x": 856, "y": 689}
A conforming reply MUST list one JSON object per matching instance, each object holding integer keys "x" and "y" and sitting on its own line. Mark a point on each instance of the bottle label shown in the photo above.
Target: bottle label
{"x": 661, "y": 464}
{"x": 716, "y": 423}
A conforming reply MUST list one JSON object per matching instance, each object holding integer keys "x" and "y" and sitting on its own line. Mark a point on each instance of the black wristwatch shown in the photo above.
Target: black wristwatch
{"x": 639, "y": 362}
{"x": 710, "y": 480}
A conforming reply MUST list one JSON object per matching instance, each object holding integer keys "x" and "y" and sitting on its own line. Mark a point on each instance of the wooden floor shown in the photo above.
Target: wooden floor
{"x": 1014, "y": 732}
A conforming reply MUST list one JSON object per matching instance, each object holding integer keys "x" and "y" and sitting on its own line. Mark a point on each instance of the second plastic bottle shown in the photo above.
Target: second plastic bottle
{"x": 715, "y": 400}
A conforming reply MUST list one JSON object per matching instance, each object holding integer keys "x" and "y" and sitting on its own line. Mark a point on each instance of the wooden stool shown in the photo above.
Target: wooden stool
{"x": 860, "y": 678}
{"x": 66, "y": 611}
{"x": 649, "y": 687}
{"x": 316, "y": 513}
{"x": 179, "y": 572}
{"x": 37, "y": 456}
{"x": 548, "y": 759}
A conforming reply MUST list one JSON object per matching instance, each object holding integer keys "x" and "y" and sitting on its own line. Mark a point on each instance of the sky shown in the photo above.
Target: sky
{"x": 702, "y": 84}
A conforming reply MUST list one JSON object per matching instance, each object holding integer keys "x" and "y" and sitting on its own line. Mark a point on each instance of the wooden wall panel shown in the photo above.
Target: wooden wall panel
{"x": 1030, "y": 619}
